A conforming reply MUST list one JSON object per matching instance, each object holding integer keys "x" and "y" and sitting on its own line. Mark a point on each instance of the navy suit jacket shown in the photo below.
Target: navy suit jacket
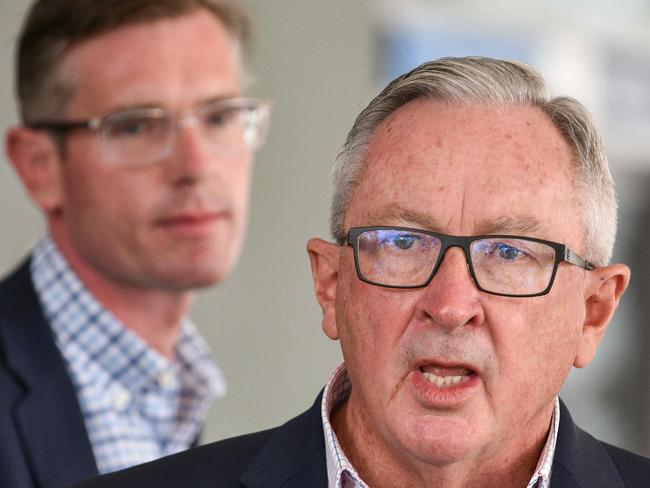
{"x": 293, "y": 456}
{"x": 43, "y": 440}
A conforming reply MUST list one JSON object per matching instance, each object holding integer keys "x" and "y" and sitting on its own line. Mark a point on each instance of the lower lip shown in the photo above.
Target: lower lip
{"x": 443, "y": 396}
{"x": 191, "y": 227}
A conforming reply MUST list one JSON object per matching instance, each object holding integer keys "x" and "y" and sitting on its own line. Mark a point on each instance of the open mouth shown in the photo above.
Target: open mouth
{"x": 446, "y": 377}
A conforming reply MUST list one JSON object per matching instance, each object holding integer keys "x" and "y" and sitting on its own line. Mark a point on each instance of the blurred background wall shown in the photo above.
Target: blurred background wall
{"x": 322, "y": 62}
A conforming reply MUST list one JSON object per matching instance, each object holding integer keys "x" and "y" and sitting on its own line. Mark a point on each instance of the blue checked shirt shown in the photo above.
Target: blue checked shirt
{"x": 137, "y": 405}
{"x": 341, "y": 473}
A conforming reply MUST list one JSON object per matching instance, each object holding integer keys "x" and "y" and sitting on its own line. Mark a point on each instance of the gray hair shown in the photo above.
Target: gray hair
{"x": 477, "y": 80}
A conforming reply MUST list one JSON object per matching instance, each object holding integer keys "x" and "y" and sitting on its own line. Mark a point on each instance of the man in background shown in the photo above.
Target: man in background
{"x": 136, "y": 142}
{"x": 474, "y": 218}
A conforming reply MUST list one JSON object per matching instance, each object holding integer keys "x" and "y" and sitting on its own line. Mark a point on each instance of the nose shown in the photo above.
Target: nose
{"x": 190, "y": 153}
{"x": 451, "y": 299}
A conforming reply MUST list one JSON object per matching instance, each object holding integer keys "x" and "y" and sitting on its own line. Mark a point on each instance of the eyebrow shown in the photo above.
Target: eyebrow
{"x": 394, "y": 215}
{"x": 515, "y": 224}
{"x": 152, "y": 104}
{"x": 217, "y": 98}
{"x": 511, "y": 224}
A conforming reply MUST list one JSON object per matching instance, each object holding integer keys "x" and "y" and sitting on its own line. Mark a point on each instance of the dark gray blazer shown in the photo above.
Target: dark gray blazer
{"x": 293, "y": 456}
{"x": 43, "y": 440}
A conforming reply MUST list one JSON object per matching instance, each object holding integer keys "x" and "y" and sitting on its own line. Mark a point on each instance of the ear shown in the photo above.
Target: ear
{"x": 35, "y": 157}
{"x": 324, "y": 257}
{"x": 602, "y": 297}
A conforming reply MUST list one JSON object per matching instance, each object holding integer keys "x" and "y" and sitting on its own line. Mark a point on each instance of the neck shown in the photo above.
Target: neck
{"x": 155, "y": 315}
{"x": 380, "y": 466}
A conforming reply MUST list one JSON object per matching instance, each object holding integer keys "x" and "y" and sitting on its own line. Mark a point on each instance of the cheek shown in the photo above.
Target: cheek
{"x": 373, "y": 324}
{"x": 536, "y": 344}
{"x": 79, "y": 189}
{"x": 230, "y": 180}
{"x": 109, "y": 200}
{"x": 239, "y": 181}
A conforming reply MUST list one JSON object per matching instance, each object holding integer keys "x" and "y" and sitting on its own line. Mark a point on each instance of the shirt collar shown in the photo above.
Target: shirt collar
{"x": 341, "y": 473}
{"x": 83, "y": 327}
{"x": 542, "y": 476}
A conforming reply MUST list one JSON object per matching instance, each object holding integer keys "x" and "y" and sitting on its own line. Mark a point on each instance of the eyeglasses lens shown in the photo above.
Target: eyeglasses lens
{"x": 512, "y": 266}
{"x": 400, "y": 258}
{"x": 145, "y": 135}
{"x": 397, "y": 258}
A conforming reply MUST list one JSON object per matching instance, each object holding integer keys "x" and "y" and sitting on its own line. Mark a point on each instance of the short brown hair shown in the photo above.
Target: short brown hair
{"x": 53, "y": 27}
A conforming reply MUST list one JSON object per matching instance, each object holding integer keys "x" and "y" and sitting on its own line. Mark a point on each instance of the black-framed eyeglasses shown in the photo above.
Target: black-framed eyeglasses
{"x": 146, "y": 135}
{"x": 506, "y": 265}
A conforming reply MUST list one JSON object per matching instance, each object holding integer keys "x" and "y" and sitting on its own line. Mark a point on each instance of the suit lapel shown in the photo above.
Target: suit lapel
{"x": 294, "y": 457}
{"x": 580, "y": 460}
{"x": 48, "y": 419}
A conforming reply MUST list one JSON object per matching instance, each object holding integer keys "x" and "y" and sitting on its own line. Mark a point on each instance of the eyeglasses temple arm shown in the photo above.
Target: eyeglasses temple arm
{"x": 573, "y": 258}
{"x": 92, "y": 124}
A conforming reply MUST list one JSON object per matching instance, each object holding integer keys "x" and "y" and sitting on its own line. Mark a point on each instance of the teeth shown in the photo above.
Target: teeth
{"x": 442, "y": 381}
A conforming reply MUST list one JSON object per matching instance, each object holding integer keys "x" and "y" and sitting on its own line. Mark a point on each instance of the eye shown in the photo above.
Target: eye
{"x": 507, "y": 252}
{"x": 215, "y": 118}
{"x": 131, "y": 127}
{"x": 403, "y": 241}
{"x": 220, "y": 117}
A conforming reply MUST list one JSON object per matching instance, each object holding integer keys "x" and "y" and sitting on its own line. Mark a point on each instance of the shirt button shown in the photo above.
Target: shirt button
{"x": 166, "y": 379}
{"x": 121, "y": 400}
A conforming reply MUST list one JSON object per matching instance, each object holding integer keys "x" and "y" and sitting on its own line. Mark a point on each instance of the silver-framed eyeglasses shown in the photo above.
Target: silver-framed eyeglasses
{"x": 146, "y": 135}
{"x": 506, "y": 265}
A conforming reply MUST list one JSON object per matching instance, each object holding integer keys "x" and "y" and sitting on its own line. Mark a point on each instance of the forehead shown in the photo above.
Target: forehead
{"x": 166, "y": 61}
{"x": 467, "y": 170}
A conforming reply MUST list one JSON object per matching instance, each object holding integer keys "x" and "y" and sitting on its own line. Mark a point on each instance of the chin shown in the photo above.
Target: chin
{"x": 440, "y": 441}
{"x": 199, "y": 269}
{"x": 187, "y": 278}
{"x": 203, "y": 279}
